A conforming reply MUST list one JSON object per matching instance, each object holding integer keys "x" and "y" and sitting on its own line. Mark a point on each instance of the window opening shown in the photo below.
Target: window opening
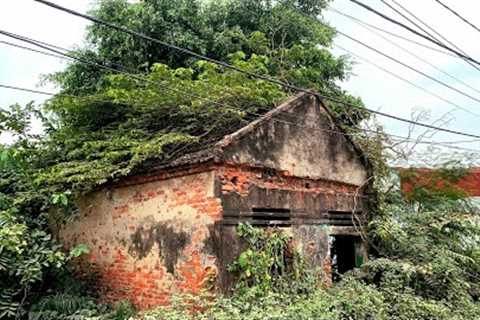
{"x": 341, "y": 218}
{"x": 271, "y": 216}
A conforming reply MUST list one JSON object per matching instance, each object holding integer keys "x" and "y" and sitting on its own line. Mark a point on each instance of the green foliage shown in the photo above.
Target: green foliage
{"x": 26, "y": 253}
{"x": 433, "y": 254}
{"x": 136, "y": 122}
{"x": 435, "y": 187}
{"x": 72, "y": 307}
{"x": 426, "y": 263}
{"x": 270, "y": 264}
{"x": 79, "y": 250}
{"x": 286, "y": 34}
{"x": 271, "y": 306}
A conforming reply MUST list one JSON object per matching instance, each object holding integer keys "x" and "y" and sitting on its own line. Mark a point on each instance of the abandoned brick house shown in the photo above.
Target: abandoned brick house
{"x": 174, "y": 229}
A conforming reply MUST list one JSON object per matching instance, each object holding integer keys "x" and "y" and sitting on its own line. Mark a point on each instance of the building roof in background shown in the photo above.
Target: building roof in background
{"x": 411, "y": 178}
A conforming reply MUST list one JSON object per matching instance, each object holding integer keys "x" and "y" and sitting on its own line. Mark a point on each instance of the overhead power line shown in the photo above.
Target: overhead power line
{"x": 95, "y": 99}
{"x": 430, "y": 28}
{"x": 392, "y": 34}
{"x": 407, "y": 18}
{"x": 458, "y": 15}
{"x": 461, "y": 55}
{"x": 68, "y": 55}
{"x": 411, "y": 68}
{"x": 398, "y": 138}
{"x": 368, "y": 28}
{"x": 30, "y": 40}
{"x": 27, "y": 90}
{"x": 31, "y": 49}
{"x": 48, "y": 46}
{"x": 376, "y": 65}
{"x": 266, "y": 78}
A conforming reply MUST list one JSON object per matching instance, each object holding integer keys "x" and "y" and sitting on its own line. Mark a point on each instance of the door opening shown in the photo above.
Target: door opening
{"x": 345, "y": 254}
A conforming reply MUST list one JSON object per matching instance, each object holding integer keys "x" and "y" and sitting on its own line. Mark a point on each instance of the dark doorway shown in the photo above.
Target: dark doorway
{"x": 344, "y": 254}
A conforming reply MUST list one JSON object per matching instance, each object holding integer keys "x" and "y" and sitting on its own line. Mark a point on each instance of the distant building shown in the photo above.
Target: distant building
{"x": 173, "y": 228}
{"x": 465, "y": 183}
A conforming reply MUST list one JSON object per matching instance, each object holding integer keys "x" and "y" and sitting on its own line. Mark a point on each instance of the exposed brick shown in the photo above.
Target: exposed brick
{"x": 183, "y": 200}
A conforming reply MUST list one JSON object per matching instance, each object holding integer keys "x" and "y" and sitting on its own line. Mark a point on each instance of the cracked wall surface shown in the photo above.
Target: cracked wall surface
{"x": 174, "y": 231}
{"x": 149, "y": 241}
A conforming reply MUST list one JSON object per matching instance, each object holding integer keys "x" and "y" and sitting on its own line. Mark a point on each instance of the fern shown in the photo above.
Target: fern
{"x": 8, "y": 306}
{"x": 73, "y": 307}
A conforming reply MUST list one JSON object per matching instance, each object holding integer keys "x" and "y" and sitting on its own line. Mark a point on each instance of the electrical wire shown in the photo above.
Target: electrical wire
{"x": 266, "y": 78}
{"x": 94, "y": 64}
{"x": 430, "y": 28}
{"x": 63, "y": 57}
{"x": 49, "y": 45}
{"x": 31, "y": 49}
{"x": 458, "y": 15}
{"x": 27, "y": 90}
{"x": 368, "y": 28}
{"x": 45, "y": 45}
{"x": 391, "y": 33}
{"x": 398, "y": 77}
{"x": 446, "y": 144}
{"x": 407, "y": 18}
{"x": 47, "y": 93}
{"x": 459, "y": 54}
{"x": 413, "y": 69}
{"x": 393, "y": 137}
{"x": 403, "y": 139}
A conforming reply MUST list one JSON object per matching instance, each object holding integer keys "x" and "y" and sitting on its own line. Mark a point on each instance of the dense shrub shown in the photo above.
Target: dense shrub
{"x": 425, "y": 260}
{"x": 74, "y": 307}
{"x": 427, "y": 267}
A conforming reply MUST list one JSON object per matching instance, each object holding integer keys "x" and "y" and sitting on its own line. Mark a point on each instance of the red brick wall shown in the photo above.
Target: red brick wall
{"x": 148, "y": 240}
{"x": 239, "y": 179}
{"x": 151, "y": 237}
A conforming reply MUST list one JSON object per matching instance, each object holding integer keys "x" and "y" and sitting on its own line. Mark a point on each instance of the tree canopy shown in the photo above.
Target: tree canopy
{"x": 160, "y": 103}
{"x": 161, "y": 100}
{"x": 288, "y": 35}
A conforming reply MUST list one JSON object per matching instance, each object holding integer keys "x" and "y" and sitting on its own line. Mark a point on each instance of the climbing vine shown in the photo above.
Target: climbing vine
{"x": 271, "y": 263}
{"x": 104, "y": 126}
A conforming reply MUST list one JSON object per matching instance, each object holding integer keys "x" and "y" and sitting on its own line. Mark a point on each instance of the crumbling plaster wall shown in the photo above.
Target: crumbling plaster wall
{"x": 310, "y": 201}
{"x": 300, "y": 138}
{"x": 295, "y": 158}
{"x": 152, "y": 237}
{"x": 150, "y": 240}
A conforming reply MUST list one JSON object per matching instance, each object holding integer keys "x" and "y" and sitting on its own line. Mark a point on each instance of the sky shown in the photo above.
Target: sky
{"x": 378, "y": 90}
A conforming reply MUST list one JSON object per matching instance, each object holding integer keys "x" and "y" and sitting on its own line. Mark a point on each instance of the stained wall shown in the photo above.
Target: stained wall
{"x": 150, "y": 239}
{"x": 311, "y": 211}
{"x": 172, "y": 232}
{"x": 300, "y": 138}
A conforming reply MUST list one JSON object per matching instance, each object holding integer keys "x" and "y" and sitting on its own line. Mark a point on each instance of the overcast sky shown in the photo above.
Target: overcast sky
{"x": 378, "y": 90}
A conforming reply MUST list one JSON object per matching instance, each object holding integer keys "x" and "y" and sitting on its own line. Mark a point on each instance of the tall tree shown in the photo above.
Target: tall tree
{"x": 287, "y": 33}
{"x": 115, "y": 123}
